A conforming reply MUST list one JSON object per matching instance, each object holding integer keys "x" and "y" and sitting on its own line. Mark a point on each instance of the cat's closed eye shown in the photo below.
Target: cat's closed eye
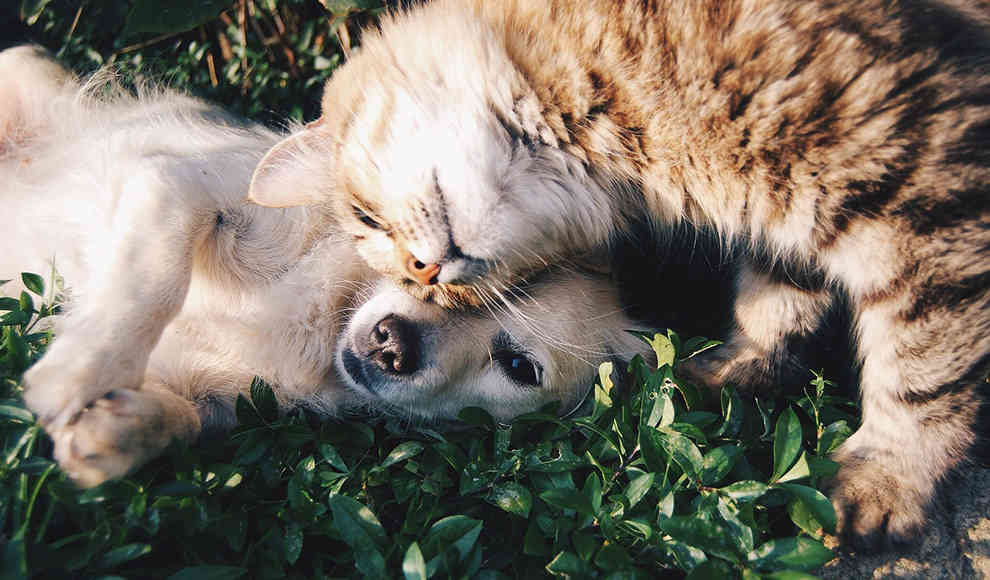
{"x": 367, "y": 219}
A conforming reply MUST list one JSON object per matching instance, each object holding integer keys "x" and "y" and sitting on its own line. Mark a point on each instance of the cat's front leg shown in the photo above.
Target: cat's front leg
{"x": 769, "y": 310}
{"x": 139, "y": 269}
{"x": 923, "y": 367}
{"x": 121, "y": 431}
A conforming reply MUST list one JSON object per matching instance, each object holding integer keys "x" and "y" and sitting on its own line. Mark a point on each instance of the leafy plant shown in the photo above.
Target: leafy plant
{"x": 659, "y": 480}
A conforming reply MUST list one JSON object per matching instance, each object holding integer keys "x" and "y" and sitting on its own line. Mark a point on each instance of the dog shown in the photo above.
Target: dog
{"x": 178, "y": 292}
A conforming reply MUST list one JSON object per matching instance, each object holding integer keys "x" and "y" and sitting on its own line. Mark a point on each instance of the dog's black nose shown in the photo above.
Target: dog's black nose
{"x": 393, "y": 346}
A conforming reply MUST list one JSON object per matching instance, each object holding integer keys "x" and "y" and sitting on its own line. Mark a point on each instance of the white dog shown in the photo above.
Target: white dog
{"x": 179, "y": 292}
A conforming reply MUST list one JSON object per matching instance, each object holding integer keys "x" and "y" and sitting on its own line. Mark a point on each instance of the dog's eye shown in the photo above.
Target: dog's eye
{"x": 366, "y": 219}
{"x": 520, "y": 368}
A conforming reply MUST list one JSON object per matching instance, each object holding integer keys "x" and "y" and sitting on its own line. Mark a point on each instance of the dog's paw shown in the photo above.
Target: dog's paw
{"x": 877, "y": 509}
{"x": 72, "y": 376}
{"x": 112, "y": 436}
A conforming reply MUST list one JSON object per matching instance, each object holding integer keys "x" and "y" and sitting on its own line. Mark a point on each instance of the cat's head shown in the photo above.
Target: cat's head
{"x": 436, "y": 160}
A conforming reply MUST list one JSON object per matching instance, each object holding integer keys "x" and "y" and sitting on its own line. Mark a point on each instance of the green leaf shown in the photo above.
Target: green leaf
{"x": 513, "y": 498}
{"x": 786, "y": 443}
{"x": 329, "y": 453}
{"x": 568, "y": 565}
{"x": 173, "y": 17}
{"x": 17, "y": 349}
{"x": 34, "y": 283}
{"x": 745, "y": 490}
{"x": 477, "y": 416}
{"x": 413, "y": 564}
{"x": 31, "y": 10}
{"x": 697, "y": 345}
{"x": 123, "y": 554}
{"x": 684, "y": 452}
{"x": 25, "y": 304}
{"x": 613, "y": 557}
{"x": 741, "y": 533}
{"x": 209, "y": 573}
{"x": 663, "y": 348}
{"x": 732, "y": 413}
{"x": 569, "y": 499}
{"x": 799, "y": 470}
{"x": 7, "y": 304}
{"x": 362, "y": 531}
{"x": 16, "y": 413}
{"x": 816, "y": 503}
{"x": 402, "y": 452}
{"x": 639, "y": 487}
{"x": 803, "y": 518}
{"x": 667, "y": 416}
{"x": 14, "y": 561}
{"x": 605, "y": 382}
{"x": 292, "y": 542}
{"x": 458, "y": 531}
{"x": 800, "y": 553}
{"x": 705, "y": 534}
{"x": 263, "y": 398}
{"x": 653, "y": 450}
{"x": 718, "y": 462}
{"x": 711, "y": 570}
{"x": 593, "y": 491}
{"x": 833, "y": 436}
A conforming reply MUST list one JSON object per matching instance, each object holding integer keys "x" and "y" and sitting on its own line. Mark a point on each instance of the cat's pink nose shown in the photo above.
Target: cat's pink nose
{"x": 425, "y": 274}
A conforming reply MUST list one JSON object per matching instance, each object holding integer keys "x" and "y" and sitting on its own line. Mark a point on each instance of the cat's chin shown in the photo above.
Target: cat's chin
{"x": 444, "y": 295}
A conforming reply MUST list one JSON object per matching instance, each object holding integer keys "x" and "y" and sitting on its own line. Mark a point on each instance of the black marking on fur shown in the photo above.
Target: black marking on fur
{"x": 951, "y": 295}
{"x": 720, "y": 72}
{"x": 949, "y": 31}
{"x": 973, "y": 148}
{"x": 803, "y": 62}
{"x": 876, "y": 44}
{"x": 925, "y": 214}
{"x": 974, "y": 375}
{"x": 911, "y": 82}
{"x": 870, "y": 197}
{"x": 738, "y": 103}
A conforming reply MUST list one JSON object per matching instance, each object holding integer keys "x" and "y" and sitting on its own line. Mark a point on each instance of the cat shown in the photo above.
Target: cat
{"x": 468, "y": 144}
{"x": 178, "y": 293}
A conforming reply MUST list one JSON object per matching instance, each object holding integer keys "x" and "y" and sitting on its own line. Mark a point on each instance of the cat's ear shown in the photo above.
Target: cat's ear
{"x": 296, "y": 171}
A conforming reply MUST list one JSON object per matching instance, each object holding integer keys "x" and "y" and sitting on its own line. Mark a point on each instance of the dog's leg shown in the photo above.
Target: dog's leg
{"x": 121, "y": 431}
{"x": 139, "y": 276}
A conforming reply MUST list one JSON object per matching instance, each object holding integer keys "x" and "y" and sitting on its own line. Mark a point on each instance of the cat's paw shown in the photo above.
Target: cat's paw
{"x": 112, "y": 436}
{"x": 877, "y": 509}
{"x": 748, "y": 368}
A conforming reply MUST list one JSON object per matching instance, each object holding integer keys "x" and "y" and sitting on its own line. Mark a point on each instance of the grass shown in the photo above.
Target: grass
{"x": 657, "y": 482}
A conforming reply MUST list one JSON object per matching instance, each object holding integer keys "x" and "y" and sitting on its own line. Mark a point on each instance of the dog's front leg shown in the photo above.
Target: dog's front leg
{"x": 140, "y": 264}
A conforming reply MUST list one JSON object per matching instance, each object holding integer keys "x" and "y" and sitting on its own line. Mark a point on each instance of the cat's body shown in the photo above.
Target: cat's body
{"x": 475, "y": 142}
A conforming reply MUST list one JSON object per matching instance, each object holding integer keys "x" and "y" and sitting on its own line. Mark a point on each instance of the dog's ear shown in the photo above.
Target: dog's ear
{"x": 296, "y": 171}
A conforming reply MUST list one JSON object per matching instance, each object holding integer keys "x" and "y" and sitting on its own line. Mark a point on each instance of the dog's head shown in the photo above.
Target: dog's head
{"x": 543, "y": 345}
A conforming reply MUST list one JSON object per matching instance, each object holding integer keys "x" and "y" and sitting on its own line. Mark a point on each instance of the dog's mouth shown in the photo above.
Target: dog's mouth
{"x": 360, "y": 376}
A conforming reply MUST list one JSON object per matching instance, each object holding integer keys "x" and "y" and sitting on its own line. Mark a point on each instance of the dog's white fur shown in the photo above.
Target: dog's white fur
{"x": 178, "y": 292}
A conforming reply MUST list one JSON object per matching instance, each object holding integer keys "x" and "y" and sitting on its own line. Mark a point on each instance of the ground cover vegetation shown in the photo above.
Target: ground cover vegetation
{"x": 658, "y": 480}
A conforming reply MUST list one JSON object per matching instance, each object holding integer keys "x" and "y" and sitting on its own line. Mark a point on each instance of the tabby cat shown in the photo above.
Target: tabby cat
{"x": 471, "y": 143}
